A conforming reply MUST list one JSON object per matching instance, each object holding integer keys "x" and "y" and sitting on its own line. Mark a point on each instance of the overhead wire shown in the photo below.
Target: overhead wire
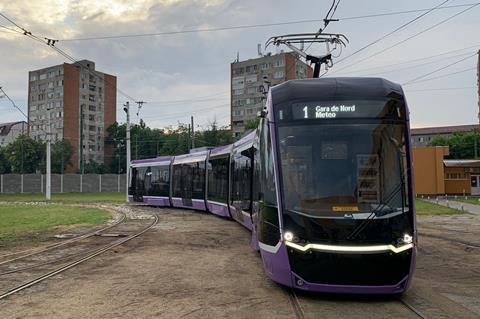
{"x": 401, "y": 27}
{"x": 437, "y": 70}
{"x": 442, "y": 76}
{"x": 406, "y": 39}
{"x": 51, "y": 44}
{"x": 106, "y": 37}
{"x": 415, "y": 60}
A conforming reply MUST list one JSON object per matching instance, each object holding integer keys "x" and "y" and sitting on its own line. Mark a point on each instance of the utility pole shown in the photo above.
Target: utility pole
{"x": 193, "y": 134}
{"x": 82, "y": 164}
{"x": 126, "y": 108}
{"x": 478, "y": 84}
{"x": 49, "y": 159}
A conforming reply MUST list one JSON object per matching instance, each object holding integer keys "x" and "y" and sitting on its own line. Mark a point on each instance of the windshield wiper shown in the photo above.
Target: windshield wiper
{"x": 357, "y": 230}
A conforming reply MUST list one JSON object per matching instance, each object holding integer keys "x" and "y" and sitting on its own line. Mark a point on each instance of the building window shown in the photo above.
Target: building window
{"x": 456, "y": 176}
{"x": 33, "y": 77}
{"x": 238, "y": 92}
{"x": 237, "y": 71}
{"x": 279, "y": 63}
{"x": 278, "y": 74}
{"x": 251, "y": 78}
{"x": 252, "y": 90}
{"x": 251, "y": 68}
{"x": 43, "y": 76}
{"x": 265, "y": 66}
{"x": 238, "y": 83}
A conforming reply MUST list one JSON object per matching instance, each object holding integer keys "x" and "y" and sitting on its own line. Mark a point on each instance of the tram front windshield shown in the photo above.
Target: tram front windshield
{"x": 343, "y": 168}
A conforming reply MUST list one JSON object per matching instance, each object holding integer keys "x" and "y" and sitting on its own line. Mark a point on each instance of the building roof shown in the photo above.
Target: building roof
{"x": 444, "y": 129}
{"x": 462, "y": 163}
{"x": 5, "y": 128}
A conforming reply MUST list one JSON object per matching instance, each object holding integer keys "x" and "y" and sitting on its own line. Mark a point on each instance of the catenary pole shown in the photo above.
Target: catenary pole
{"x": 193, "y": 134}
{"x": 48, "y": 191}
{"x": 127, "y": 111}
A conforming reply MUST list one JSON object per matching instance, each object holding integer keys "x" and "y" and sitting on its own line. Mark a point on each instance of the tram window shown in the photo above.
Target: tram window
{"x": 160, "y": 181}
{"x": 198, "y": 180}
{"x": 178, "y": 184}
{"x": 218, "y": 179}
{"x": 241, "y": 180}
{"x": 189, "y": 180}
{"x": 267, "y": 176}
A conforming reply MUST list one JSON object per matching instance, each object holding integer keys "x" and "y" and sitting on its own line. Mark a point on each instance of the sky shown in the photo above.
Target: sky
{"x": 185, "y": 74}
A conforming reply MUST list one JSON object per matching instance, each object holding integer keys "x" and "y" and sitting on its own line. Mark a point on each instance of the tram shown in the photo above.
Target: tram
{"x": 324, "y": 184}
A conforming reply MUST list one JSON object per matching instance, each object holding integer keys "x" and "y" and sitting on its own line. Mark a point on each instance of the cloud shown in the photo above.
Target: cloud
{"x": 194, "y": 65}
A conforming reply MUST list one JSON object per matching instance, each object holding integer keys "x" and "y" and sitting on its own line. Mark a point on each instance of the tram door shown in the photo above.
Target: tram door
{"x": 241, "y": 174}
{"x": 475, "y": 183}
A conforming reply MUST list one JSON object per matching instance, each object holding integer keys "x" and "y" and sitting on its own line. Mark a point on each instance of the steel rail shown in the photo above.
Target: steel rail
{"x": 412, "y": 308}
{"x": 297, "y": 309}
{"x": 453, "y": 240}
{"x": 39, "y": 250}
{"x": 79, "y": 261}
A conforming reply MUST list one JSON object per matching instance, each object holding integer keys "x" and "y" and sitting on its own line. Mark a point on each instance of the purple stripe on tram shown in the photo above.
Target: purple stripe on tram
{"x": 157, "y": 201}
{"x": 219, "y": 209}
{"x": 197, "y": 204}
{"x": 393, "y": 289}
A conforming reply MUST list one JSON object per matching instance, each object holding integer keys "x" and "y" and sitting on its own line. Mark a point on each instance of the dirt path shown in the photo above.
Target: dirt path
{"x": 195, "y": 265}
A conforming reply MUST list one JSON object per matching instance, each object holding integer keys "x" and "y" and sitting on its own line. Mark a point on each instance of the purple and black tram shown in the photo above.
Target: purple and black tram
{"x": 324, "y": 184}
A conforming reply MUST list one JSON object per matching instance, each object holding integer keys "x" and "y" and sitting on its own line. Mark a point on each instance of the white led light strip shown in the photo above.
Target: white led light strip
{"x": 350, "y": 249}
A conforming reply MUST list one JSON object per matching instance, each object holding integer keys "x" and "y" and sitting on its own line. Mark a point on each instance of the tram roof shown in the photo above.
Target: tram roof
{"x": 190, "y": 158}
{"x": 156, "y": 160}
{"x": 345, "y": 87}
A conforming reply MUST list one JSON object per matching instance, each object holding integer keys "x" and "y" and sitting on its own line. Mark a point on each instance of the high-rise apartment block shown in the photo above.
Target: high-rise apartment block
{"x": 79, "y": 104}
{"x": 247, "y": 78}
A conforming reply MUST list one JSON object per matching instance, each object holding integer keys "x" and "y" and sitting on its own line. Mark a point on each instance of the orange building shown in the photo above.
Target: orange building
{"x": 433, "y": 175}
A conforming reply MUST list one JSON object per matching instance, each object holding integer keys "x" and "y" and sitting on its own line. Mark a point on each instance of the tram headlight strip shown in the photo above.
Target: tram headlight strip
{"x": 350, "y": 249}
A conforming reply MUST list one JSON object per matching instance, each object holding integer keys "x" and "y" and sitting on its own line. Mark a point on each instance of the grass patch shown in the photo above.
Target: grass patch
{"x": 427, "y": 209}
{"x": 67, "y": 197}
{"x": 36, "y": 222}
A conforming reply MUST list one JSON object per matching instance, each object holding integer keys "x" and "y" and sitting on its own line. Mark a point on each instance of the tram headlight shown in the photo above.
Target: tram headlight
{"x": 407, "y": 239}
{"x": 288, "y": 236}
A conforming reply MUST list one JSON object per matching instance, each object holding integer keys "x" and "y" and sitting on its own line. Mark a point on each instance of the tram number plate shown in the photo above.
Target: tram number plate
{"x": 345, "y": 208}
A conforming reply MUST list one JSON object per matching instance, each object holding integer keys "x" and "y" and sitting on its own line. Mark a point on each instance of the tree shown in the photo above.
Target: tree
{"x": 93, "y": 167}
{"x": 214, "y": 136}
{"x": 5, "y": 166}
{"x": 252, "y": 124}
{"x": 25, "y": 155}
{"x": 461, "y": 145}
{"x": 62, "y": 151}
{"x": 149, "y": 142}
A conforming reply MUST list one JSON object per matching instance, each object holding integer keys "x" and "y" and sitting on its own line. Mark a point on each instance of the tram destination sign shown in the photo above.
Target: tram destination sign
{"x": 322, "y": 111}
{"x": 329, "y": 110}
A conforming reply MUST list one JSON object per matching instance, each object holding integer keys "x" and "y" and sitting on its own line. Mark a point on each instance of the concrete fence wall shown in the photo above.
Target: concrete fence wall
{"x": 67, "y": 183}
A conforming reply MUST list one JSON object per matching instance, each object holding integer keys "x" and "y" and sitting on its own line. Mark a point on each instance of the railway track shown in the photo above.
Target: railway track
{"x": 297, "y": 309}
{"x": 38, "y": 250}
{"x": 300, "y": 313}
{"x": 453, "y": 240}
{"x": 89, "y": 255}
{"x": 411, "y": 308}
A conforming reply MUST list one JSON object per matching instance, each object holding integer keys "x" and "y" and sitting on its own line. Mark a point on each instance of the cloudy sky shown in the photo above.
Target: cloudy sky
{"x": 188, "y": 73}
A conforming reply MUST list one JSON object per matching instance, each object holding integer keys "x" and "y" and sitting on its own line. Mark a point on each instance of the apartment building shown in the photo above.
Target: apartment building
{"x": 247, "y": 78}
{"x": 78, "y": 103}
